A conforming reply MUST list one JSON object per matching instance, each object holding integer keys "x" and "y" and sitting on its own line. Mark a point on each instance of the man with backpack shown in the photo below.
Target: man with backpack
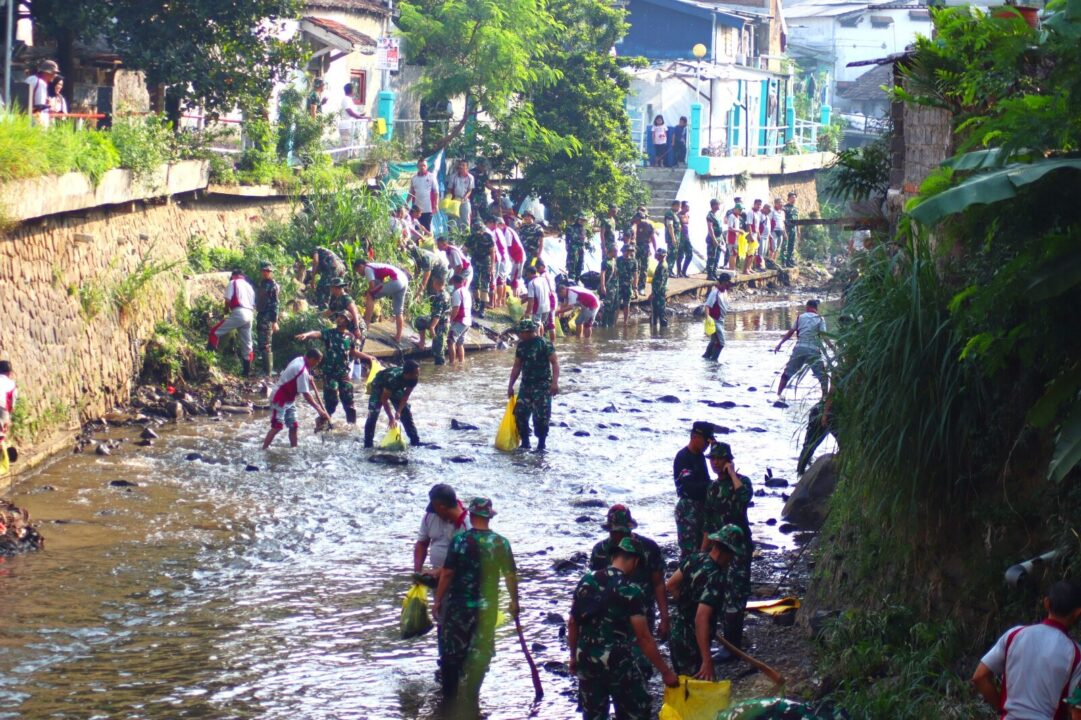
{"x": 1039, "y": 665}
{"x": 609, "y": 640}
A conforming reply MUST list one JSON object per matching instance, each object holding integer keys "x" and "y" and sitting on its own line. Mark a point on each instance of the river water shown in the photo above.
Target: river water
{"x": 208, "y": 591}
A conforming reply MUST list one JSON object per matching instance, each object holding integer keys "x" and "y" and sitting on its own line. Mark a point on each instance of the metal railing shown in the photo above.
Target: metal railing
{"x": 715, "y": 139}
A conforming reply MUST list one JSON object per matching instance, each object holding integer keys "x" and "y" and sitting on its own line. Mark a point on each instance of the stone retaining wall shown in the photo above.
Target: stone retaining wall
{"x": 73, "y": 365}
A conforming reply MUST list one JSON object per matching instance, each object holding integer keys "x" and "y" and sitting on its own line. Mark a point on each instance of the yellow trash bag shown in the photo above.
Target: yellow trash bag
{"x": 393, "y": 440}
{"x": 506, "y": 437}
{"x": 516, "y": 309}
{"x": 379, "y": 126}
{"x": 450, "y": 206}
{"x": 572, "y": 324}
{"x": 774, "y": 607}
{"x": 559, "y": 325}
{"x": 741, "y": 245}
{"x": 695, "y": 699}
{"x": 709, "y": 326}
{"x": 651, "y": 266}
{"x": 752, "y": 248}
{"x": 415, "y": 620}
{"x": 377, "y": 367}
{"x": 5, "y": 463}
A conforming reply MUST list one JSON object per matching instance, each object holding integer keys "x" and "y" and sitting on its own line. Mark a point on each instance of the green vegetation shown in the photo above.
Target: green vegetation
{"x": 26, "y": 428}
{"x": 142, "y": 144}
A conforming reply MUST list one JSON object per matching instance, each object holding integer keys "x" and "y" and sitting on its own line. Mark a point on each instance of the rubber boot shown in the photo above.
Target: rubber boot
{"x": 733, "y": 628}
{"x": 268, "y": 364}
{"x": 451, "y": 676}
{"x": 245, "y": 365}
{"x": 541, "y": 444}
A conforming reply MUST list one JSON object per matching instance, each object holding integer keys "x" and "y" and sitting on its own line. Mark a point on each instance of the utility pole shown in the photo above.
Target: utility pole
{"x": 9, "y": 34}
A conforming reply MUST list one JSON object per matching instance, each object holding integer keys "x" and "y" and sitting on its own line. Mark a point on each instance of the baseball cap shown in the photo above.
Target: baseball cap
{"x": 703, "y": 428}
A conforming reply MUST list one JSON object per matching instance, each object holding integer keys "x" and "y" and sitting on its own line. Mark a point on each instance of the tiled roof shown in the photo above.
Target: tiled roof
{"x": 354, "y": 37}
{"x": 377, "y": 7}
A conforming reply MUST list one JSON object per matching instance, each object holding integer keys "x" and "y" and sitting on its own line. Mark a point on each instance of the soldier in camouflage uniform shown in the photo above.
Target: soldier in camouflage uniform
{"x": 700, "y": 583}
{"x": 778, "y": 709}
{"x": 532, "y": 236}
{"x": 536, "y": 362}
{"x": 714, "y": 238}
{"x": 609, "y": 640}
{"x": 658, "y": 299}
{"x": 607, "y": 226}
{"x": 467, "y": 601}
{"x": 691, "y": 476}
{"x": 609, "y": 288}
{"x": 644, "y": 245}
{"x": 342, "y": 302}
{"x": 648, "y": 574}
{"x": 439, "y": 320}
{"x": 481, "y": 248}
{"x": 791, "y": 215}
{"x": 671, "y": 233}
{"x": 574, "y": 241}
{"x": 266, "y": 319}
{"x": 328, "y": 267}
{"x": 727, "y": 499}
{"x": 429, "y": 265}
{"x": 625, "y": 271}
{"x": 338, "y": 355}
{"x": 390, "y": 392}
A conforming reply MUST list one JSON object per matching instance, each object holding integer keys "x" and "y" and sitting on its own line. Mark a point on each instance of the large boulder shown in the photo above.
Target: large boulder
{"x": 809, "y": 503}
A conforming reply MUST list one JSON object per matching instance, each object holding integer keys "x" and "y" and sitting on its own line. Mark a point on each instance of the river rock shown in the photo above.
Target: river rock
{"x": 669, "y": 399}
{"x": 148, "y": 434}
{"x": 721, "y": 429}
{"x": 387, "y": 459}
{"x": 808, "y": 505}
{"x": 557, "y": 668}
{"x": 103, "y": 449}
{"x": 236, "y": 409}
{"x": 193, "y": 456}
{"x": 123, "y": 484}
{"x": 602, "y": 426}
{"x": 455, "y": 425}
{"x": 780, "y": 404}
{"x": 538, "y": 647}
{"x": 613, "y": 437}
{"x": 581, "y": 433}
{"x": 756, "y": 429}
{"x": 583, "y": 519}
{"x": 611, "y": 408}
{"x": 771, "y": 522}
{"x": 752, "y": 389}
{"x": 589, "y": 503}
{"x": 787, "y": 528}
{"x": 145, "y": 443}
{"x": 774, "y": 482}
{"x": 174, "y": 409}
{"x": 251, "y": 468}
{"x": 462, "y": 459}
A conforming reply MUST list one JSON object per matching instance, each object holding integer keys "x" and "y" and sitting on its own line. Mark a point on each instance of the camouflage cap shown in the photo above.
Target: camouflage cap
{"x": 337, "y": 282}
{"x": 526, "y": 325}
{"x": 265, "y": 266}
{"x": 731, "y": 536}
{"x": 627, "y": 545}
{"x": 619, "y": 519}
{"x": 482, "y": 507}
{"x": 721, "y": 450}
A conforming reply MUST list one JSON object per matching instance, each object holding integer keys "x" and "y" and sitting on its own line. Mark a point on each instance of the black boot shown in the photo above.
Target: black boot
{"x": 541, "y": 444}
{"x": 245, "y": 365}
{"x": 733, "y": 628}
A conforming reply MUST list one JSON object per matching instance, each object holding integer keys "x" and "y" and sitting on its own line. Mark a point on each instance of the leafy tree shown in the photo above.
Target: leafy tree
{"x": 211, "y": 54}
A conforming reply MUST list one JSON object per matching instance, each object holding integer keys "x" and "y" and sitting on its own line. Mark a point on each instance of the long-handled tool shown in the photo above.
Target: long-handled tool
{"x": 529, "y": 659}
{"x": 766, "y": 670}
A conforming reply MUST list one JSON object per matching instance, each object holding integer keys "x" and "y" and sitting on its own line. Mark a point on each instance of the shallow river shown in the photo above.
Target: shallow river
{"x": 208, "y": 591}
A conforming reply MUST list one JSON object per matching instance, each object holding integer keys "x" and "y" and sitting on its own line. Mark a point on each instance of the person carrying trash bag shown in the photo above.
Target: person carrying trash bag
{"x": 536, "y": 362}
{"x": 390, "y": 391}
{"x": 609, "y": 640}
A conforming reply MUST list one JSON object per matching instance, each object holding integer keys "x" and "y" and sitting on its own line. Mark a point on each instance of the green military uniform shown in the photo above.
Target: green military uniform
{"x": 777, "y": 709}
{"x": 611, "y": 292}
{"x": 659, "y": 292}
{"x": 426, "y": 263}
{"x": 341, "y": 304}
{"x": 266, "y": 314}
{"x": 531, "y": 236}
{"x": 608, "y": 233}
{"x": 609, "y": 662}
{"x": 671, "y": 222}
{"x": 535, "y": 391}
{"x": 478, "y": 558}
{"x": 575, "y": 242}
{"x": 479, "y": 198}
{"x": 335, "y": 368}
{"x": 724, "y": 505}
{"x": 791, "y": 214}
{"x": 650, "y": 561}
{"x": 480, "y": 246}
{"x": 713, "y": 247}
{"x": 394, "y": 381}
{"x": 625, "y": 271}
{"x": 330, "y": 268}
{"x": 703, "y": 583}
{"x": 684, "y": 253}
{"x": 643, "y": 236}
{"x": 439, "y": 302}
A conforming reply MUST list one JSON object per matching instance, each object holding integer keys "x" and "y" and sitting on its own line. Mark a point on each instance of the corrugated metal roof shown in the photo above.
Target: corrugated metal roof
{"x": 829, "y": 8}
{"x": 377, "y": 7}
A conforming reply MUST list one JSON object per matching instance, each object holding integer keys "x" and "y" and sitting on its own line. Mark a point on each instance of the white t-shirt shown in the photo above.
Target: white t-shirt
{"x": 242, "y": 291}
{"x": 459, "y": 185}
{"x": 1041, "y": 662}
{"x": 294, "y": 380}
{"x": 423, "y": 188}
{"x": 808, "y": 326}
{"x": 717, "y": 303}
{"x": 345, "y": 120}
{"x": 538, "y": 292}
{"x": 660, "y": 134}
{"x": 551, "y": 288}
{"x": 7, "y": 393}
{"x": 582, "y": 298}
{"x": 461, "y": 306}
{"x": 455, "y": 259}
{"x": 780, "y": 219}
{"x": 438, "y": 533}
{"x": 39, "y": 91}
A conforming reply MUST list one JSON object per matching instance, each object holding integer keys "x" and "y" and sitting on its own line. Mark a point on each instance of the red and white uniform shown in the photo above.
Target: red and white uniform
{"x": 586, "y": 301}
{"x": 379, "y": 274}
{"x": 1040, "y": 666}
{"x": 516, "y": 254}
{"x": 538, "y": 300}
{"x": 7, "y": 393}
{"x": 294, "y": 381}
{"x": 240, "y": 299}
{"x": 459, "y": 263}
{"x": 717, "y": 304}
{"x": 240, "y": 294}
{"x": 461, "y": 306}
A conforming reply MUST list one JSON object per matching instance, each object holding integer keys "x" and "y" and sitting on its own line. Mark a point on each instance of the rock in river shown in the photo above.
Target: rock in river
{"x": 387, "y": 459}
{"x": 461, "y": 459}
{"x": 148, "y": 434}
{"x": 193, "y": 456}
{"x": 808, "y": 504}
{"x": 581, "y": 433}
{"x": 103, "y": 450}
{"x": 455, "y": 425}
{"x": 123, "y": 483}
{"x": 589, "y": 503}
{"x": 669, "y": 399}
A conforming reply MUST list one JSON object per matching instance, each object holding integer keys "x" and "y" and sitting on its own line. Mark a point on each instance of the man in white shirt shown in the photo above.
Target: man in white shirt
{"x": 240, "y": 304}
{"x": 7, "y": 398}
{"x": 349, "y": 115}
{"x": 295, "y": 380}
{"x": 538, "y": 304}
{"x": 549, "y": 279}
{"x": 39, "y": 90}
{"x": 808, "y": 350}
{"x": 1040, "y": 665}
{"x": 424, "y": 193}
{"x": 587, "y": 304}
{"x": 461, "y": 186}
{"x": 717, "y": 308}
{"x": 444, "y": 518}
{"x": 461, "y": 318}
{"x": 779, "y": 222}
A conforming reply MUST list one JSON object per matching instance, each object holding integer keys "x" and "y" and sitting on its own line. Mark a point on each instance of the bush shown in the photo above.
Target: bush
{"x": 143, "y": 144}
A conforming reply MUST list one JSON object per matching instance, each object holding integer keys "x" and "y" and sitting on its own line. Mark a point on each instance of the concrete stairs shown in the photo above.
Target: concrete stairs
{"x": 664, "y": 184}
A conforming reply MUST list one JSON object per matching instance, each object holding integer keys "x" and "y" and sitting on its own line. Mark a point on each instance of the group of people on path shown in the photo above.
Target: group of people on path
{"x": 622, "y": 607}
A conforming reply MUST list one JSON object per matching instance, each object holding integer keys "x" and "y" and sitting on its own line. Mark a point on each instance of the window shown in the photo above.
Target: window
{"x": 359, "y": 79}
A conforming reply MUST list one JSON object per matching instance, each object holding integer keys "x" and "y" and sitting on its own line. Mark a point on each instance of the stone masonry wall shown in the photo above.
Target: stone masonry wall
{"x": 71, "y": 367}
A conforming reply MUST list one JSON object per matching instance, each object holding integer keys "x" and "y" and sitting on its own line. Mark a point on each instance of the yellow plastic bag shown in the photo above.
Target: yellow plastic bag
{"x": 450, "y": 206}
{"x": 379, "y": 126}
{"x": 377, "y": 367}
{"x": 559, "y": 325}
{"x": 709, "y": 326}
{"x": 774, "y": 607}
{"x": 651, "y": 267}
{"x": 415, "y": 620}
{"x": 507, "y": 438}
{"x": 516, "y": 309}
{"x": 393, "y": 440}
{"x": 572, "y": 324}
{"x": 695, "y": 699}
{"x": 752, "y": 248}
{"x": 5, "y": 465}
{"x": 741, "y": 245}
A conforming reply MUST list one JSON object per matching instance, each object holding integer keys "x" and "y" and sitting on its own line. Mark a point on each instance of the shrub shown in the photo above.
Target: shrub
{"x": 144, "y": 144}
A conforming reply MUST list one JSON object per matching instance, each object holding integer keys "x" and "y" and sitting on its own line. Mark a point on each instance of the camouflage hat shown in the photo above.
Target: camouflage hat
{"x": 337, "y": 282}
{"x": 731, "y": 536}
{"x": 721, "y": 450}
{"x": 619, "y": 519}
{"x": 526, "y": 326}
{"x": 265, "y": 266}
{"x": 482, "y": 507}
{"x": 627, "y": 545}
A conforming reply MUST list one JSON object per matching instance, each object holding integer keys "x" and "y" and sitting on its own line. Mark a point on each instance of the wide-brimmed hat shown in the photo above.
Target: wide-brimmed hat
{"x": 721, "y": 450}
{"x": 526, "y": 326}
{"x": 619, "y": 519}
{"x": 731, "y": 536}
{"x": 48, "y": 66}
{"x": 482, "y": 507}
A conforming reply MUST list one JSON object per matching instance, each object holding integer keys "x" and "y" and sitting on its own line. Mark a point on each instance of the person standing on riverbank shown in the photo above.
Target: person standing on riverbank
{"x": 339, "y": 352}
{"x": 384, "y": 281}
{"x": 692, "y": 478}
{"x": 438, "y": 321}
{"x": 609, "y": 640}
{"x": 8, "y": 393}
{"x": 240, "y": 304}
{"x": 328, "y": 267}
{"x": 574, "y": 240}
{"x": 342, "y": 302}
{"x": 548, "y": 279}
{"x": 390, "y": 392}
{"x": 461, "y": 186}
{"x": 461, "y": 319}
{"x": 295, "y": 380}
{"x": 532, "y": 235}
{"x": 609, "y": 287}
{"x": 444, "y": 518}
{"x": 713, "y": 239}
{"x": 791, "y": 215}
{"x": 684, "y": 252}
{"x": 482, "y": 255}
{"x": 727, "y": 499}
{"x": 1040, "y": 665}
{"x": 808, "y": 351}
{"x": 266, "y": 319}
{"x": 658, "y": 297}
{"x": 536, "y": 362}
{"x": 645, "y": 245}
{"x": 733, "y": 220}
{"x": 648, "y": 575}
{"x": 424, "y": 193}
{"x": 717, "y": 308}
{"x": 671, "y": 235}
{"x": 467, "y": 603}
{"x": 607, "y": 228}
{"x": 698, "y": 588}
{"x": 625, "y": 271}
